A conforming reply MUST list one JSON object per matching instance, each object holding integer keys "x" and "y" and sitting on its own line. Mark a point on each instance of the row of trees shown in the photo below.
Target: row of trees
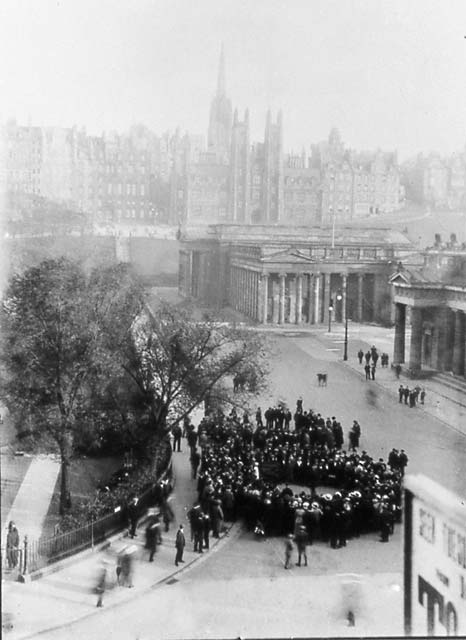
{"x": 82, "y": 353}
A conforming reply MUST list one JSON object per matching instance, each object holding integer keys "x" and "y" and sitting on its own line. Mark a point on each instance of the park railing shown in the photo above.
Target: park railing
{"x": 34, "y": 555}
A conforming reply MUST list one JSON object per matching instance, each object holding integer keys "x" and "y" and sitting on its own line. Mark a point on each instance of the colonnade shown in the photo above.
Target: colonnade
{"x": 297, "y": 298}
{"x": 438, "y": 338}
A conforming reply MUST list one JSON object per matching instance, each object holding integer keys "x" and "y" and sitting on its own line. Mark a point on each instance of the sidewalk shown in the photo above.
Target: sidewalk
{"x": 67, "y": 594}
{"x": 446, "y": 404}
{"x": 31, "y": 504}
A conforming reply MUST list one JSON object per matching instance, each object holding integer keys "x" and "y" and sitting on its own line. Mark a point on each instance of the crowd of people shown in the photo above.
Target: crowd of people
{"x": 245, "y": 470}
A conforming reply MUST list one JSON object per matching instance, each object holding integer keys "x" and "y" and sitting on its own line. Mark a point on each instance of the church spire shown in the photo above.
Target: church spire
{"x": 221, "y": 74}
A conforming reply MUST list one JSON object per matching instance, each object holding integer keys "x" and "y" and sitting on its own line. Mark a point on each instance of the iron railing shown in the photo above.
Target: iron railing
{"x": 36, "y": 554}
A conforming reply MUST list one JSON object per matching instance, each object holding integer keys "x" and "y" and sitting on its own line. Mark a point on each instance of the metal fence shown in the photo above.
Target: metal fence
{"x": 36, "y": 554}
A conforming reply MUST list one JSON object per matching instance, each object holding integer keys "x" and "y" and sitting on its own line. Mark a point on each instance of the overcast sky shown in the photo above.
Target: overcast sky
{"x": 389, "y": 74}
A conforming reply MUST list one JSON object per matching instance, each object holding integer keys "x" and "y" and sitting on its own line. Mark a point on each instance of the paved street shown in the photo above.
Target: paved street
{"x": 241, "y": 588}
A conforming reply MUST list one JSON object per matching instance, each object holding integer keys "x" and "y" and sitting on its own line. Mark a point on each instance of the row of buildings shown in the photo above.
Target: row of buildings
{"x": 436, "y": 181}
{"x": 177, "y": 179}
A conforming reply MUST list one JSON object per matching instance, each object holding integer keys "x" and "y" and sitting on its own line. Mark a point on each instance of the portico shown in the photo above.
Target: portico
{"x": 277, "y": 276}
{"x": 436, "y": 314}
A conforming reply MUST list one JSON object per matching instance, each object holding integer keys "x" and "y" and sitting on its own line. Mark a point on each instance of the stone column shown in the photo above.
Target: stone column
{"x": 360, "y": 295}
{"x": 326, "y": 296}
{"x": 292, "y": 289}
{"x": 275, "y": 301}
{"x": 344, "y": 282}
{"x": 265, "y": 299}
{"x": 281, "y": 312}
{"x": 299, "y": 298}
{"x": 310, "y": 303}
{"x": 317, "y": 315}
{"x": 415, "y": 351}
{"x": 458, "y": 345}
{"x": 400, "y": 329}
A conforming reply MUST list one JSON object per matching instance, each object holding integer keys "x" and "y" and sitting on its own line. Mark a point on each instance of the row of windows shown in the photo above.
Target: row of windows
{"x": 131, "y": 189}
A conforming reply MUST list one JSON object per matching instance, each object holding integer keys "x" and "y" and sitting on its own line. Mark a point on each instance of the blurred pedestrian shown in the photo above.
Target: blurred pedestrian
{"x": 125, "y": 562}
{"x": 422, "y": 395}
{"x": 373, "y": 372}
{"x": 180, "y": 543}
{"x": 360, "y": 355}
{"x": 367, "y": 369}
{"x": 101, "y": 583}
{"x": 288, "y": 550}
{"x": 167, "y": 513}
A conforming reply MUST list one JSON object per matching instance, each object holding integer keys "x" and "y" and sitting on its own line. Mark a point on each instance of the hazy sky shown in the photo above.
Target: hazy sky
{"x": 386, "y": 73}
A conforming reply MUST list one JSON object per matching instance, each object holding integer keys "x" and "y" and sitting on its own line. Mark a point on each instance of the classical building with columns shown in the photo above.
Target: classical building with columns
{"x": 431, "y": 302}
{"x": 277, "y": 275}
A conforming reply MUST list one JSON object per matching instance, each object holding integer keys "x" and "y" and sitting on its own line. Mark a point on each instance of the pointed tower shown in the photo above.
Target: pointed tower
{"x": 220, "y": 121}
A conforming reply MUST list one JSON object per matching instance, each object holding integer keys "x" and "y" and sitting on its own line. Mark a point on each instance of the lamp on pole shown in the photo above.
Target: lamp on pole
{"x": 330, "y": 309}
{"x": 345, "y": 346}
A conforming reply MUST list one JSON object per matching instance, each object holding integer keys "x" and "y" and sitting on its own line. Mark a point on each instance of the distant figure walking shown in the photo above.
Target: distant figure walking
{"x": 101, "y": 583}
{"x": 360, "y": 355}
{"x": 180, "y": 543}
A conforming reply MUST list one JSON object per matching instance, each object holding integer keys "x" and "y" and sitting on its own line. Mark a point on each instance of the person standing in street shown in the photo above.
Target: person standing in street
{"x": 177, "y": 433}
{"x": 288, "y": 550}
{"x": 301, "y": 542}
{"x": 133, "y": 516}
{"x": 401, "y": 393}
{"x": 360, "y": 355}
{"x": 373, "y": 372}
{"x": 422, "y": 395}
{"x": 12, "y": 545}
{"x": 180, "y": 543}
{"x": 367, "y": 369}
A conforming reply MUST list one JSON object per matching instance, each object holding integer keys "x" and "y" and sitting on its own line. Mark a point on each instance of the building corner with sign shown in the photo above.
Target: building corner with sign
{"x": 434, "y": 559}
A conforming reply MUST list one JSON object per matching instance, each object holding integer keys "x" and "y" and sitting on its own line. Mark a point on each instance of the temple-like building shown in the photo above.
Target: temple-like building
{"x": 431, "y": 301}
{"x": 278, "y": 275}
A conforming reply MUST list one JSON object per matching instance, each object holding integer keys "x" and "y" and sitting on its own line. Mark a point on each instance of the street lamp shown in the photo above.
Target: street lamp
{"x": 330, "y": 309}
{"x": 345, "y": 347}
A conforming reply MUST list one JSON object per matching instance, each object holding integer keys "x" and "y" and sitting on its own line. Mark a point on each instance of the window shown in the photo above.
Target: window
{"x": 128, "y": 189}
{"x": 142, "y": 190}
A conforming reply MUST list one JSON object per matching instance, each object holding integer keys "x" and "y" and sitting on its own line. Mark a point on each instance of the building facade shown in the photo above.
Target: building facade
{"x": 432, "y": 302}
{"x": 439, "y": 182}
{"x": 279, "y": 275}
{"x": 142, "y": 178}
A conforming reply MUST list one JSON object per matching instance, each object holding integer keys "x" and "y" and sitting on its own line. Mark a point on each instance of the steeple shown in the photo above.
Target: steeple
{"x": 221, "y": 74}
{"x": 219, "y": 134}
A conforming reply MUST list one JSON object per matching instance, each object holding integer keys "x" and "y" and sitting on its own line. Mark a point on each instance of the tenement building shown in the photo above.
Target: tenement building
{"x": 279, "y": 275}
{"x": 432, "y": 301}
{"x": 142, "y": 178}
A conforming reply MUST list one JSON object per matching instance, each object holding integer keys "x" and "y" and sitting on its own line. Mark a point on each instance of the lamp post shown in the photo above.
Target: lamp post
{"x": 330, "y": 309}
{"x": 345, "y": 346}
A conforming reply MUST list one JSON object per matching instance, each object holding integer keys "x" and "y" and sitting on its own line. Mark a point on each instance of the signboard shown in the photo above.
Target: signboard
{"x": 434, "y": 559}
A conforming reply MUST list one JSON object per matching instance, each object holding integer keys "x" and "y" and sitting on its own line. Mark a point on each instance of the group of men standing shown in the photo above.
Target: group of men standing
{"x": 410, "y": 396}
{"x": 371, "y": 358}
